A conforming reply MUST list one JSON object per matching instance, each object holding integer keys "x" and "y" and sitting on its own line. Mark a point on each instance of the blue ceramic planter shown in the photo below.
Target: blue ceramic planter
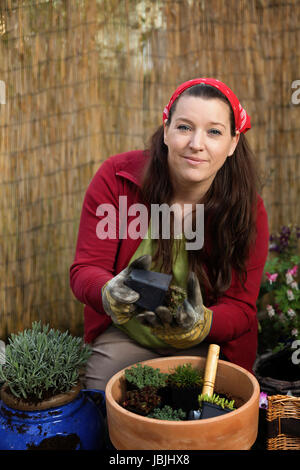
{"x": 77, "y": 425}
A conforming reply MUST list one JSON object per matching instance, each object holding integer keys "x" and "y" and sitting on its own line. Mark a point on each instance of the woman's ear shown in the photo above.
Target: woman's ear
{"x": 234, "y": 143}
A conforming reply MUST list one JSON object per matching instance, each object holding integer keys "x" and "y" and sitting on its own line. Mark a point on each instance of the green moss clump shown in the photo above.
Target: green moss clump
{"x": 185, "y": 376}
{"x": 143, "y": 375}
{"x": 168, "y": 413}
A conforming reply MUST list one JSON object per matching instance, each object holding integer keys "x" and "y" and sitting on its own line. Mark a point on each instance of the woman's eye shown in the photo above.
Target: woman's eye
{"x": 215, "y": 132}
{"x": 183, "y": 127}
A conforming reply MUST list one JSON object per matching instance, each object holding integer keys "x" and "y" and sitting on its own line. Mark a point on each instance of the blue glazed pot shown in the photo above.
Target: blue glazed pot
{"x": 76, "y": 425}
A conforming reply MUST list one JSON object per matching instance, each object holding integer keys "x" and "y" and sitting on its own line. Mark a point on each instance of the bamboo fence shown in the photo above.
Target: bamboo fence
{"x": 85, "y": 79}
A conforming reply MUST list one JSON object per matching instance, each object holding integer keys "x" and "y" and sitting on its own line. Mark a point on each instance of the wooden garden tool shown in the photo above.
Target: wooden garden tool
{"x": 211, "y": 410}
{"x": 211, "y": 369}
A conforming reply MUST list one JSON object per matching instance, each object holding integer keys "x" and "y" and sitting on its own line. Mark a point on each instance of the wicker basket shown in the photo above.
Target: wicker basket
{"x": 283, "y": 421}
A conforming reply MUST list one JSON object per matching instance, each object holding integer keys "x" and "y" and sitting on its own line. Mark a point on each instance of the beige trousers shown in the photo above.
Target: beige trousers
{"x": 113, "y": 350}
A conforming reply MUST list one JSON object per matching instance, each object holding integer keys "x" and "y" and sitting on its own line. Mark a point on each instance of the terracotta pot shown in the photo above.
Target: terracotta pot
{"x": 236, "y": 430}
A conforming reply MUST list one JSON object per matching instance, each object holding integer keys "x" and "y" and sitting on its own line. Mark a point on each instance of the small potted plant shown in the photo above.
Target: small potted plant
{"x": 139, "y": 376}
{"x": 215, "y": 405}
{"x": 43, "y": 406}
{"x": 185, "y": 382}
{"x": 155, "y": 290}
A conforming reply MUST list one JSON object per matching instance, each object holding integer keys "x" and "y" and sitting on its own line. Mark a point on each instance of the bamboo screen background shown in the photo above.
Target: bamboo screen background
{"x": 85, "y": 79}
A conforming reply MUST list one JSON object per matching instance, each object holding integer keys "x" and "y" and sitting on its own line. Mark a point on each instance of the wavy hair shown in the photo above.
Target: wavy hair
{"x": 229, "y": 208}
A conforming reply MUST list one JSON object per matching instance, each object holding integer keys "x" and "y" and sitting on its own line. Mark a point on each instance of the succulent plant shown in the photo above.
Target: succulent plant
{"x": 142, "y": 401}
{"x": 143, "y": 375}
{"x": 167, "y": 413}
{"x": 216, "y": 400}
{"x": 41, "y": 362}
{"x": 185, "y": 376}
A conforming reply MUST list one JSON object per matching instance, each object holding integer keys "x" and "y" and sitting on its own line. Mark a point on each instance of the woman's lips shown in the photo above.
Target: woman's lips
{"x": 194, "y": 161}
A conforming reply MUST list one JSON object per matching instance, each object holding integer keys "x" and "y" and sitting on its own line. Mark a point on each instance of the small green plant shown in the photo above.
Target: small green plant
{"x": 168, "y": 413}
{"x": 216, "y": 400}
{"x": 41, "y": 362}
{"x": 174, "y": 298}
{"x": 185, "y": 376}
{"x": 142, "y": 400}
{"x": 143, "y": 375}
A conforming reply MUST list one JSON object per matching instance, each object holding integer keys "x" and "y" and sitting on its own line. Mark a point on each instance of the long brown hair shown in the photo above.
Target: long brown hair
{"x": 229, "y": 208}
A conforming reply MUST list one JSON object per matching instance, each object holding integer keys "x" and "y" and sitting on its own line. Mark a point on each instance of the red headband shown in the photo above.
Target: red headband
{"x": 242, "y": 119}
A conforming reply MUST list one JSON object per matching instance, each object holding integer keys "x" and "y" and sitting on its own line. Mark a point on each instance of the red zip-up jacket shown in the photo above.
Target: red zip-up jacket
{"x": 234, "y": 325}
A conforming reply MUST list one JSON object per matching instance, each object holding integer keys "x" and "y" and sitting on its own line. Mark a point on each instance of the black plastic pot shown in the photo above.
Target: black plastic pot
{"x": 277, "y": 374}
{"x": 151, "y": 286}
{"x": 185, "y": 398}
{"x": 210, "y": 410}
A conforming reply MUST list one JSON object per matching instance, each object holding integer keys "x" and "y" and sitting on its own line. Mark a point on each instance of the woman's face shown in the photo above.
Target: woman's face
{"x": 199, "y": 140}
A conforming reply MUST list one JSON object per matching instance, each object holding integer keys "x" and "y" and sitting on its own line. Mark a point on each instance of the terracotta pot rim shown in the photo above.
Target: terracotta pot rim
{"x": 53, "y": 402}
{"x": 162, "y": 422}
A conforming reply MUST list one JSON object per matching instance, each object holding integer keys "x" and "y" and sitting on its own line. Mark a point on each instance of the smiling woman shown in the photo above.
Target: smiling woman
{"x": 198, "y": 156}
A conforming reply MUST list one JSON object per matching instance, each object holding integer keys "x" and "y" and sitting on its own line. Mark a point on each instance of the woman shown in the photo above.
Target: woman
{"x": 199, "y": 156}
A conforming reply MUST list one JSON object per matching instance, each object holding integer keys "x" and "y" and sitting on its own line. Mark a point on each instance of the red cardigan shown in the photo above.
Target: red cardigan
{"x": 234, "y": 325}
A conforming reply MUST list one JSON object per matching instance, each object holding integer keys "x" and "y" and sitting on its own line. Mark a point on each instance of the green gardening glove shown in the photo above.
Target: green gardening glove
{"x": 118, "y": 299}
{"x": 191, "y": 324}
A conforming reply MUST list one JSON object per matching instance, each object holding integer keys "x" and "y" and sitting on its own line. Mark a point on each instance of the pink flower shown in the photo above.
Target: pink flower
{"x": 263, "y": 400}
{"x": 293, "y": 271}
{"x": 272, "y": 277}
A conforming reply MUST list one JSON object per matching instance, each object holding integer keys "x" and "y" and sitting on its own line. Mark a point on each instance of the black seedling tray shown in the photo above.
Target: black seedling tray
{"x": 151, "y": 286}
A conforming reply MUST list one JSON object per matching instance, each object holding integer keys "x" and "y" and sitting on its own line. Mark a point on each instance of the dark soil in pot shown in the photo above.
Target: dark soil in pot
{"x": 69, "y": 442}
{"x": 165, "y": 394}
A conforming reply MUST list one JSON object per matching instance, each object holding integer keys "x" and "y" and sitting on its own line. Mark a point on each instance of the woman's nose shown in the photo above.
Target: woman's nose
{"x": 197, "y": 141}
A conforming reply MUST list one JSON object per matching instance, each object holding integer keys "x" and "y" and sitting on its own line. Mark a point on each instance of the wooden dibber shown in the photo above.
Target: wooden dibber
{"x": 211, "y": 410}
{"x": 211, "y": 369}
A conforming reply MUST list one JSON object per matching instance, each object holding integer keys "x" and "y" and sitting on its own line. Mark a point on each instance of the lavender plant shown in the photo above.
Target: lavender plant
{"x": 279, "y": 298}
{"x": 42, "y": 362}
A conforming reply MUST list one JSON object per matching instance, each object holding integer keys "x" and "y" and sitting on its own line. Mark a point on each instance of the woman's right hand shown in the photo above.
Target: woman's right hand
{"x": 117, "y": 298}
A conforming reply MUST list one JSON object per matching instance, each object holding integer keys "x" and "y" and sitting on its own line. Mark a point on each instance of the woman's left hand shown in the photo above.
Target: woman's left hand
{"x": 192, "y": 319}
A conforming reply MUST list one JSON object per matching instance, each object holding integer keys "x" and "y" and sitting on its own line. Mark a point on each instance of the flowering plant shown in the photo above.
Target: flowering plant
{"x": 279, "y": 297}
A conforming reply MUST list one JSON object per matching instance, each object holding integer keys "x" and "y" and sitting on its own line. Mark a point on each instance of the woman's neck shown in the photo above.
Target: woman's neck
{"x": 185, "y": 192}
